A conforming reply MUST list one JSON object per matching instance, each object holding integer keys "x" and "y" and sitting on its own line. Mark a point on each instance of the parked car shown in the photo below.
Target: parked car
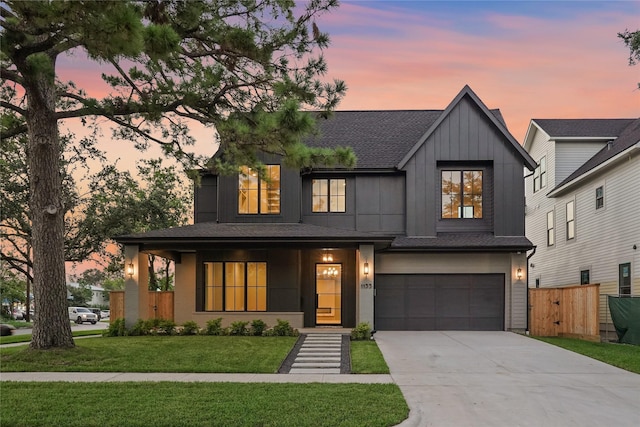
{"x": 96, "y": 311}
{"x": 81, "y": 315}
{"x": 105, "y": 314}
{"x": 17, "y": 314}
{"x": 6, "y": 330}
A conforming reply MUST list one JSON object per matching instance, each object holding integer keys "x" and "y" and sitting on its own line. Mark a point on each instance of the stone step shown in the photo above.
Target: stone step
{"x": 316, "y": 365}
{"x": 314, "y": 371}
{"x": 317, "y": 359}
{"x": 319, "y": 353}
{"x": 320, "y": 345}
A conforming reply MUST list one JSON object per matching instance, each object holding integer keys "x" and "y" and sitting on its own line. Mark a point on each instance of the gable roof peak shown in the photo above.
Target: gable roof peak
{"x": 495, "y": 119}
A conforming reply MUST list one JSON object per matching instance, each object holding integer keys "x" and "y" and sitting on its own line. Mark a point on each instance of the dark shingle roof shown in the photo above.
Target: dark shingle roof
{"x": 379, "y": 139}
{"x": 463, "y": 242}
{"x": 238, "y": 232}
{"x": 589, "y": 128}
{"x": 629, "y": 136}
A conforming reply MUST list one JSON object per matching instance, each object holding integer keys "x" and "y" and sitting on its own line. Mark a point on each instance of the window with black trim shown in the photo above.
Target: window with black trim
{"x": 540, "y": 175}
{"x": 329, "y": 195}
{"x": 259, "y": 196}
{"x": 570, "y": 218}
{"x": 600, "y": 197}
{"x": 235, "y": 286}
{"x": 461, "y": 194}
{"x": 584, "y": 277}
{"x": 550, "y": 229}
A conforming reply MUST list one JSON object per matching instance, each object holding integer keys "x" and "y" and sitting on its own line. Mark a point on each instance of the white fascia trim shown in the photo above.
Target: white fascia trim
{"x": 559, "y": 191}
{"x": 583, "y": 138}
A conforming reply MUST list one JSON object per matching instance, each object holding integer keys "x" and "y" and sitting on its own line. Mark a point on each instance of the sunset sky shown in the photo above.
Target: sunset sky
{"x": 531, "y": 59}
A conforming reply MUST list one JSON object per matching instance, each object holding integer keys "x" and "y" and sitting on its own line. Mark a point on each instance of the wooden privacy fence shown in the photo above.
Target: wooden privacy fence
{"x": 565, "y": 312}
{"x": 159, "y": 305}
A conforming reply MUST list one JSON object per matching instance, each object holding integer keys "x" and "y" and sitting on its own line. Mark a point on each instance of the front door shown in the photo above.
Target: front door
{"x": 328, "y": 294}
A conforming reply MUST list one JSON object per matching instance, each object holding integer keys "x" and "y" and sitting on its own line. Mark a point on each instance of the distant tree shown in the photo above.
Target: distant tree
{"x": 80, "y": 295}
{"x": 12, "y": 290}
{"x": 632, "y": 41}
{"x": 246, "y": 68}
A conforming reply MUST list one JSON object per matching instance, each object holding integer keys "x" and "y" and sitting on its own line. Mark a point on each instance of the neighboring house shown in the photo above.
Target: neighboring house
{"x": 583, "y": 203}
{"x": 97, "y": 295}
{"x": 426, "y": 233}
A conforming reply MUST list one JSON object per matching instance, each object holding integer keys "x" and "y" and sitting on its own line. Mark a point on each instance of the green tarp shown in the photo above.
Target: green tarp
{"x": 625, "y": 313}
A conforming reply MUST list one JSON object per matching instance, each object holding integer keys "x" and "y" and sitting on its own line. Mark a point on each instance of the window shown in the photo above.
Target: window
{"x": 571, "y": 223}
{"x": 329, "y": 195}
{"x": 259, "y": 196}
{"x": 550, "y": 229}
{"x": 235, "y": 286}
{"x": 540, "y": 175}
{"x": 600, "y": 197}
{"x": 624, "y": 279}
{"x": 461, "y": 194}
{"x": 584, "y": 277}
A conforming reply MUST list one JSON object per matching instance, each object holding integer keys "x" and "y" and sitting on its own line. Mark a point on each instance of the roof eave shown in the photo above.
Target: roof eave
{"x": 559, "y": 191}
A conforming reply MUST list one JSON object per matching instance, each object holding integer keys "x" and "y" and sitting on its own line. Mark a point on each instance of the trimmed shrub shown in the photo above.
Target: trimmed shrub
{"x": 214, "y": 327}
{"x": 283, "y": 329}
{"x": 116, "y": 328}
{"x": 257, "y": 327}
{"x": 239, "y": 328}
{"x": 190, "y": 328}
{"x": 361, "y": 332}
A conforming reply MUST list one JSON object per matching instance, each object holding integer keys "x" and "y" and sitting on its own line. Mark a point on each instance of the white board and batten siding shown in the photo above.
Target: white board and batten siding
{"x": 604, "y": 238}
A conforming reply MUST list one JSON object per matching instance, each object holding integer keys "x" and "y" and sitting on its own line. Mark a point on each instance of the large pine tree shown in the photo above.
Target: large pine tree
{"x": 245, "y": 68}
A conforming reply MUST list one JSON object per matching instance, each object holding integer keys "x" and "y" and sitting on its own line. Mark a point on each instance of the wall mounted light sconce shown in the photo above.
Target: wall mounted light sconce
{"x": 519, "y": 274}
{"x": 327, "y": 257}
{"x": 366, "y": 269}
{"x": 130, "y": 269}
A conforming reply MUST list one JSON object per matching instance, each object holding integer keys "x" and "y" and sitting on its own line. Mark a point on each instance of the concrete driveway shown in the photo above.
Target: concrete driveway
{"x": 459, "y": 378}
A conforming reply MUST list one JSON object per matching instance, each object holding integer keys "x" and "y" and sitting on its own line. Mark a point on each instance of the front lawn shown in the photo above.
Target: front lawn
{"x": 366, "y": 358}
{"x": 200, "y": 404}
{"x": 623, "y": 356}
{"x": 222, "y": 354}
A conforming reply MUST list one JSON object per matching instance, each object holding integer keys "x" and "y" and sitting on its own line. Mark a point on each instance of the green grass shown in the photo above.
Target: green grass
{"x": 366, "y": 358}
{"x": 623, "y": 356}
{"x": 10, "y": 339}
{"x": 200, "y": 404}
{"x": 154, "y": 354}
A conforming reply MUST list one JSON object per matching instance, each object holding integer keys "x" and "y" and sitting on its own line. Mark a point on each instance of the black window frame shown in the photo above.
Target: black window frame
{"x": 583, "y": 276}
{"x": 328, "y": 195}
{"x": 225, "y": 288}
{"x": 261, "y": 183}
{"x": 600, "y": 197}
{"x": 461, "y": 194}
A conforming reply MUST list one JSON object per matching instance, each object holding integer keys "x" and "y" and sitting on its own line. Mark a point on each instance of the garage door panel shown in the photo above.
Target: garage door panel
{"x": 439, "y": 302}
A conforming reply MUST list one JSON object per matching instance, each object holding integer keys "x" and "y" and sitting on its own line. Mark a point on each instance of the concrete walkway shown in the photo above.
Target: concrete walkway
{"x": 504, "y": 379}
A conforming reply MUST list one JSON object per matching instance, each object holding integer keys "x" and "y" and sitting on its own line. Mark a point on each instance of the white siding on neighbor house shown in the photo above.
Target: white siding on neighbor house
{"x": 571, "y": 155}
{"x": 604, "y": 238}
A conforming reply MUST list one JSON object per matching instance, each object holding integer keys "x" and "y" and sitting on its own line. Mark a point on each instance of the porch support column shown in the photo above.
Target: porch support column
{"x": 366, "y": 288}
{"x": 135, "y": 285}
{"x": 517, "y": 297}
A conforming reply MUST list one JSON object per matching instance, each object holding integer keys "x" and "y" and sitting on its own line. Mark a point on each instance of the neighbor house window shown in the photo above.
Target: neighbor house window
{"x": 550, "y": 229}
{"x": 571, "y": 223}
{"x": 329, "y": 195}
{"x": 584, "y": 277}
{"x": 540, "y": 175}
{"x": 235, "y": 286}
{"x": 461, "y": 194}
{"x": 599, "y": 197}
{"x": 259, "y": 196}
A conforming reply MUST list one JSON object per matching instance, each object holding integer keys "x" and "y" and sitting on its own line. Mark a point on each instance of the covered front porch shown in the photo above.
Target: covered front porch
{"x": 307, "y": 275}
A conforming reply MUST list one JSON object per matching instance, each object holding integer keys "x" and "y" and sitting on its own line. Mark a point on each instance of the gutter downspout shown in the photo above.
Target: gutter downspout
{"x": 527, "y": 299}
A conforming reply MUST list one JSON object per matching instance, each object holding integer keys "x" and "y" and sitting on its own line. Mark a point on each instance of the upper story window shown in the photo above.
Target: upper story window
{"x": 571, "y": 223}
{"x": 461, "y": 194}
{"x": 259, "y": 196}
{"x": 540, "y": 175}
{"x": 551, "y": 236}
{"x": 235, "y": 286}
{"x": 600, "y": 197}
{"x": 329, "y": 195}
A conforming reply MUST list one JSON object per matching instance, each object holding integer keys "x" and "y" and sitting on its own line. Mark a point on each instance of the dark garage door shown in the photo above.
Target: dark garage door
{"x": 437, "y": 302}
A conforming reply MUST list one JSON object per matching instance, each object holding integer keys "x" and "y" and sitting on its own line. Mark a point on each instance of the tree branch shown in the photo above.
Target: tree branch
{"x": 12, "y": 107}
{"x": 11, "y": 75}
{"x": 14, "y": 131}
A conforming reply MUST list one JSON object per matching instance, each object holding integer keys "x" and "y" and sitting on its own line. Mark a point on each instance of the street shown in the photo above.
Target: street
{"x": 74, "y": 327}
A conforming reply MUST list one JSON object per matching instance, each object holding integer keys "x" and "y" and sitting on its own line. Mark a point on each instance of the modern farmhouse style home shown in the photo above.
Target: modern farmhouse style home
{"x": 426, "y": 233}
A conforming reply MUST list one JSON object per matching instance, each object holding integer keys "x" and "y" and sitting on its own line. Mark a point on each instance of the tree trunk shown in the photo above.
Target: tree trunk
{"x": 51, "y": 327}
{"x": 167, "y": 283}
{"x": 153, "y": 279}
